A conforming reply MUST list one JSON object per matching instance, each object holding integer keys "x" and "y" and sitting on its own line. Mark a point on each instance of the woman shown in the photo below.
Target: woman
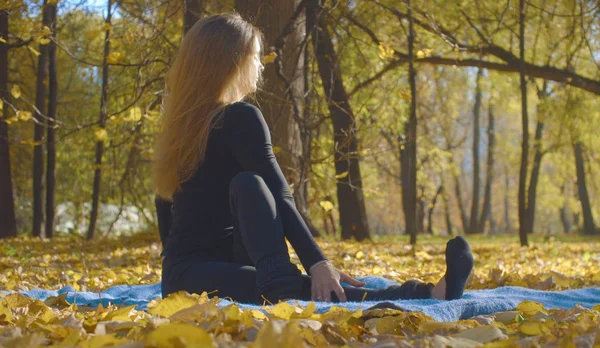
{"x": 232, "y": 208}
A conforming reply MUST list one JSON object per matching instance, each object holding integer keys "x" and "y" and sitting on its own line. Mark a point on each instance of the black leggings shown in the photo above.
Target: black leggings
{"x": 254, "y": 265}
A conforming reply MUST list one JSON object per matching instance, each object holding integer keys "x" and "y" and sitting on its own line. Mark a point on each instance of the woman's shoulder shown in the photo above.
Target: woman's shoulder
{"x": 241, "y": 107}
{"x": 242, "y": 113}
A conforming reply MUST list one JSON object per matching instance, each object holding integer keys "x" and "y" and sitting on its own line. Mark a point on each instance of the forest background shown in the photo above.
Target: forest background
{"x": 438, "y": 117}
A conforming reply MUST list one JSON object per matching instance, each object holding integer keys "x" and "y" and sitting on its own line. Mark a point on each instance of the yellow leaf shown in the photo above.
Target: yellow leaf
{"x": 23, "y": 115}
{"x": 342, "y": 175}
{"x": 326, "y": 205}
{"x": 122, "y": 314}
{"x": 1, "y": 105}
{"x": 389, "y": 326}
{"x": 269, "y": 58}
{"x": 135, "y": 114}
{"x": 420, "y": 54}
{"x": 100, "y": 134}
{"x": 508, "y": 343}
{"x": 282, "y": 310}
{"x": 2, "y": 40}
{"x": 178, "y": 335}
{"x": 174, "y": 303}
{"x": 33, "y": 51}
{"x": 307, "y": 312}
{"x": 113, "y": 58}
{"x": 385, "y": 51}
{"x": 534, "y": 329}
{"x": 43, "y": 41}
{"x": 276, "y": 149}
{"x": 529, "y": 308}
{"x": 15, "y": 91}
{"x": 105, "y": 27}
{"x": 102, "y": 341}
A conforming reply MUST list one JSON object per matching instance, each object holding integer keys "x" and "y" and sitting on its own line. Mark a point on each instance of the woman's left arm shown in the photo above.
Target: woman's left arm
{"x": 247, "y": 135}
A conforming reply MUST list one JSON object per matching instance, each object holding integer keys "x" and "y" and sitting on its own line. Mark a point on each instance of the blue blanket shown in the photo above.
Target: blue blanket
{"x": 473, "y": 303}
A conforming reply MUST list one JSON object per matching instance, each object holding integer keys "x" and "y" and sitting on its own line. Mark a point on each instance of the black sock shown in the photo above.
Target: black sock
{"x": 459, "y": 263}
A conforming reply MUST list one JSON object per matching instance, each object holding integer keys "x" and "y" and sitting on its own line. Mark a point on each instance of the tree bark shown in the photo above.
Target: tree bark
{"x": 474, "y": 223}
{"x": 282, "y": 95}
{"x": 565, "y": 218}
{"x": 431, "y": 208}
{"x": 102, "y": 123}
{"x": 50, "y": 129}
{"x": 507, "y": 224}
{"x": 408, "y": 156}
{"x": 193, "y": 12}
{"x": 589, "y": 227}
{"x": 353, "y": 216}
{"x": 447, "y": 215}
{"x": 461, "y": 207}
{"x": 486, "y": 213}
{"x": 523, "y": 216}
{"x": 38, "y": 132}
{"x": 8, "y": 224}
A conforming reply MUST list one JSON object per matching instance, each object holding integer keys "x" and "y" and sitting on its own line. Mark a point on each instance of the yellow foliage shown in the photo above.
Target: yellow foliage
{"x": 183, "y": 320}
{"x": 15, "y": 91}
{"x": 269, "y": 58}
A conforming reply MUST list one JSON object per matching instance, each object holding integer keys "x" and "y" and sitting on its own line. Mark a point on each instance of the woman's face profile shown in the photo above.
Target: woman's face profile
{"x": 258, "y": 66}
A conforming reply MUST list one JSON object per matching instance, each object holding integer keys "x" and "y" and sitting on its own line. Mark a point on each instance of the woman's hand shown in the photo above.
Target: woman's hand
{"x": 326, "y": 279}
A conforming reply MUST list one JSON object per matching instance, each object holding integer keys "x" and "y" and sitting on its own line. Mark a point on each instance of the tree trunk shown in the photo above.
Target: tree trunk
{"x": 447, "y": 215}
{"x": 282, "y": 95}
{"x": 50, "y": 135}
{"x": 523, "y": 215}
{"x": 353, "y": 216}
{"x": 565, "y": 219}
{"x": 193, "y": 12}
{"x": 420, "y": 216}
{"x": 38, "y": 132}
{"x": 8, "y": 224}
{"x": 461, "y": 207}
{"x": 589, "y": 227}
{"x": 486, "y": 213}
{"x": 535, "y": 174}
{"x": 103, "y": 113}
{"x": 507, "y": 225}
{"x": 474, "y": 223}
{"x": 431, "y": 208}
{"x": 408, "y": 156}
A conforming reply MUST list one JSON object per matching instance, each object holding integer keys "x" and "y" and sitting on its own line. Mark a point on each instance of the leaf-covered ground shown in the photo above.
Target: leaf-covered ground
{"x": 195, "y": 320}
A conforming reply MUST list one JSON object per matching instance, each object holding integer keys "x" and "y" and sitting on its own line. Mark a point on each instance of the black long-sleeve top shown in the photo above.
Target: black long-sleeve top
{"x": 240, "y": 141}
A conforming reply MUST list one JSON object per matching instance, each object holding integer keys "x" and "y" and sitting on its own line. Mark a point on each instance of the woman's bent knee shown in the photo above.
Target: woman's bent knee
{"x": 248, "y": 180}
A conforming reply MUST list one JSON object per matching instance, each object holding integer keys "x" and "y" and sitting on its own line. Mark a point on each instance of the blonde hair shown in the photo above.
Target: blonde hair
{"x": 213, "y": 68}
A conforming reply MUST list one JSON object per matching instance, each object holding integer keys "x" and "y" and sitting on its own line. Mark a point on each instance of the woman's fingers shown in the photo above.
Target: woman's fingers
{"x": 339, "y": 291}
{"x": 348, "y": 279}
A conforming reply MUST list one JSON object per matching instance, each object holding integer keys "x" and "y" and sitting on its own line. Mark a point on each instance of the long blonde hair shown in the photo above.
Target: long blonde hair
{"x": 213, "y": 68}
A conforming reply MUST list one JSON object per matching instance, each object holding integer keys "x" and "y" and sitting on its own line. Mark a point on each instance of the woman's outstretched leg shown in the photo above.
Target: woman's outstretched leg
{"x": 257, "y": 223}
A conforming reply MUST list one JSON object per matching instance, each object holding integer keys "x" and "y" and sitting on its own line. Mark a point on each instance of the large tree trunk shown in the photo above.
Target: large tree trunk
{"x": 8, "y": 225}
{"x": 408, "y": 158}
{"x": 461, "y": 207}
{"x": 102, "y": 125}
{"x": 282, "y": 95}
{"x": 193, "y": 12}
{"x": 474, "y": 223}
{"x": 486, "y": 213}
{"x": 38, "y": 132}
{"x": 589, "y": 227}
{"x": 523, "y": 215}
{"x": 50, "y": 135}
{"x": 353, "y": 216}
